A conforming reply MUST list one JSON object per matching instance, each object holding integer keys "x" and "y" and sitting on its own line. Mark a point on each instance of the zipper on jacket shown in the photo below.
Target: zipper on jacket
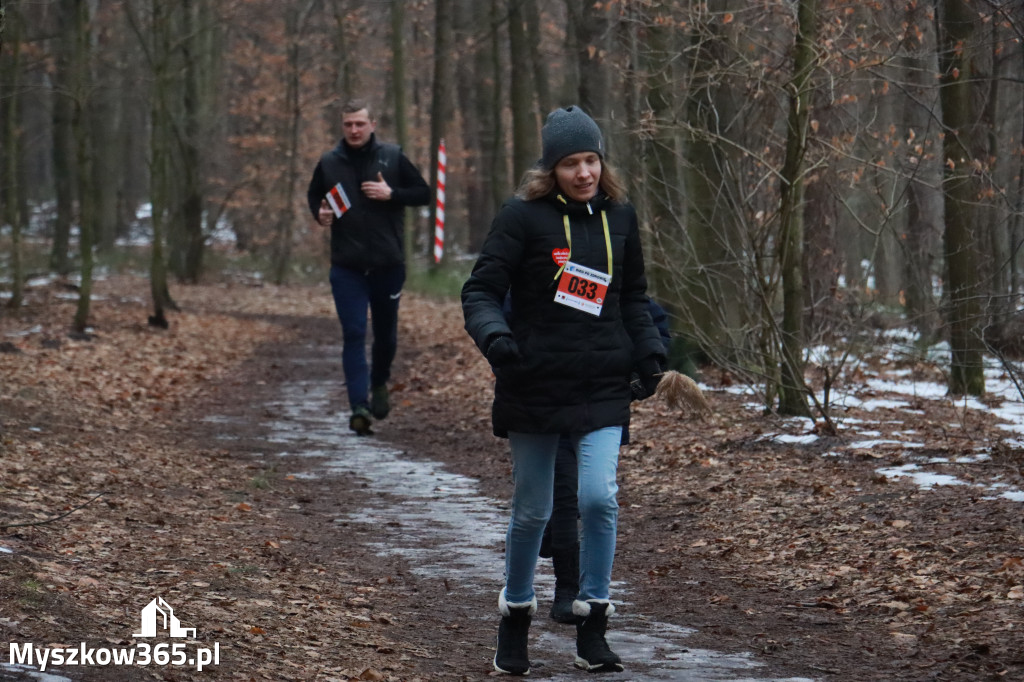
{"x": 586, "y": 234}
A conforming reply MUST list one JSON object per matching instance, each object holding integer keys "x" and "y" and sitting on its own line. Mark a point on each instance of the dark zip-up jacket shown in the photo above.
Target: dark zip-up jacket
{"x": 371, "y": 233}
{"x": 574, "y": 375}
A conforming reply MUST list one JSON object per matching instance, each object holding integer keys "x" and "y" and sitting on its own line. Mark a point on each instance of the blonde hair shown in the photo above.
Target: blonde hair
{"x": 538, "y": 182}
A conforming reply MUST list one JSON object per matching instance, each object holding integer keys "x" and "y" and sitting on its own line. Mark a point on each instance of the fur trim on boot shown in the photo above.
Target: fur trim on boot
{"x": 592, "y": 651}
{"x": 511, "y": 657}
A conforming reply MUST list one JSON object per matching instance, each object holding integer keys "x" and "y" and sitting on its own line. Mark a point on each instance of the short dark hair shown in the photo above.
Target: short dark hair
{"x": 356, "y": 104}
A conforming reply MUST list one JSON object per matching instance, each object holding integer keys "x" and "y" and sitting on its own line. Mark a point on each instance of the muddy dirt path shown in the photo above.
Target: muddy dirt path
{"x": 430, "y": 538}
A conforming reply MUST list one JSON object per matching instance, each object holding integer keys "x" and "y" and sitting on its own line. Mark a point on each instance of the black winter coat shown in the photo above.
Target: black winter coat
{"x": 371, "y": 233}
{"x": 574, "y": 375}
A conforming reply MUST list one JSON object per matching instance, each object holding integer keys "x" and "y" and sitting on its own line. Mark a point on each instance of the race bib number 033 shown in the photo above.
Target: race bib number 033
{"x": 582, "y": 288}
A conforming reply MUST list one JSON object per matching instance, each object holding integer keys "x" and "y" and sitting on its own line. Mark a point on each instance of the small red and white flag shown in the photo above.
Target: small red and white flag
{"x": 338, "y": 200}
{"x": 442, "y": 162}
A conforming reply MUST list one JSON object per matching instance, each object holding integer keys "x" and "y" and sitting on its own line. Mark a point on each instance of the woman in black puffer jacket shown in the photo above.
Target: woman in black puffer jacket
{"x": 567, "y": 248}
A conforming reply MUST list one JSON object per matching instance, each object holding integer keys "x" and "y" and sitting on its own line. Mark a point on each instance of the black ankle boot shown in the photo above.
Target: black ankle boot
{"x": 592, "y": 652}
{"x": 567, "y": 584}
{"x": 511, "y": 656}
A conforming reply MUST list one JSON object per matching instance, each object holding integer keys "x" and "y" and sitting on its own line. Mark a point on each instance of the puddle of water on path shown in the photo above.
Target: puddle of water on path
{"x": 25, "y": 672}
{"x": 445, "y": 529}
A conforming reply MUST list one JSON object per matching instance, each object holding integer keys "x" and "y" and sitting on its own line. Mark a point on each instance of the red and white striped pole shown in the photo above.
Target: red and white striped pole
{"x": 442, "y": 162}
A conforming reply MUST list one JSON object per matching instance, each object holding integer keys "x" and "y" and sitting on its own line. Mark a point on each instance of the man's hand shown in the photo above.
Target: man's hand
{"x": 326, "y": 214}
{"x": 378, "y": 190}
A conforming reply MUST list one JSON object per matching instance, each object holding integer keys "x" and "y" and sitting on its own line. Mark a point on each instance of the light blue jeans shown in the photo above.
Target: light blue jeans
{"x": 533, "y": 473}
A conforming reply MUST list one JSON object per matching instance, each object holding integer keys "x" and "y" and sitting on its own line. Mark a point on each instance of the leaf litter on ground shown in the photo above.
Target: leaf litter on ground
{"x": 927, "y": 579}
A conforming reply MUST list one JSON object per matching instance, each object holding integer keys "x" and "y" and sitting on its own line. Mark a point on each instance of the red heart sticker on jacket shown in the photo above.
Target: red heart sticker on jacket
{"x": 560, "y": 256}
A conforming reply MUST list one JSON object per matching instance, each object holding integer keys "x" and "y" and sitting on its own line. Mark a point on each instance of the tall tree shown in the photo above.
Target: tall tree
{"x": 81, "y": 87}
{"x": 441, "y": 95}
{"x": 494, "y": 142}
{"x": 713, "y": 298}
{"x": 538, "y": 61}
{"x": 475, "y": 86}
{"x": 662, "y": 171}
{"x": 347, "y": 77}
{"x": 63, "y": 143}
{"x": 792, "y": 389}
{"x": 10, "y": 73}
{"x": 922, "y": 172}
{"x": 188, "y": 258}
{"x": 295, "y": 26}
{"x": 522, "y": 94}
{"x": 160, "y": 161}
{"x": 105, "y": 123}
{"x": 957, "y": 30}
{"x": 399, "y": 97}
{"x": 591, "y": 33}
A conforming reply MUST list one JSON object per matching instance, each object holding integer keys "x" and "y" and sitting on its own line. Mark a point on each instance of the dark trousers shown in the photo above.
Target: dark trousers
{"x": 355, "y": 292}
{"x": 563, "y": 527}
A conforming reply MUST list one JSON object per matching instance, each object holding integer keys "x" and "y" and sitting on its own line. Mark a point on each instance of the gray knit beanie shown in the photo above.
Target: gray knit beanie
{"x": 569, "y": 131}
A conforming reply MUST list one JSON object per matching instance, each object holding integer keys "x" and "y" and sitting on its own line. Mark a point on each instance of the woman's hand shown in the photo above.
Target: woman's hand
{"x": 502, "y": 351}
{"x": 649, "y": 373}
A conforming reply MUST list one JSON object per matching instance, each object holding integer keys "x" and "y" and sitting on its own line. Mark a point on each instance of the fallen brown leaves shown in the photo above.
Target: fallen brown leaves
{"x": 802, "y": 553}
{"x": 107, "y": 420}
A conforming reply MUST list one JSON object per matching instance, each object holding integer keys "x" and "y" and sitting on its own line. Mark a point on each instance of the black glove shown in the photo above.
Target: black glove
{"x": 648, "y": 374}
{"x": 636, "y": 387}
{"x": 502, "y": 351}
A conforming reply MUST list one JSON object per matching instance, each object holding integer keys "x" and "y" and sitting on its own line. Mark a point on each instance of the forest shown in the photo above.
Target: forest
{"x": 809, "y": 174}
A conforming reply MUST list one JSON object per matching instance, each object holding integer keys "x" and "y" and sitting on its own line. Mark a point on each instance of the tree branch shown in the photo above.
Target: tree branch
{"x": 55, "y": 518}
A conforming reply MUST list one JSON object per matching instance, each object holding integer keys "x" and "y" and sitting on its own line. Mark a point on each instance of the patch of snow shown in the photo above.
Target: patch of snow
{"x": 804, "y": 439}
{"x": 924, "y": 479}
{"x": 26, "y": 332}
{"x": 868, "y": 444}
{"x": 26, "y": 672}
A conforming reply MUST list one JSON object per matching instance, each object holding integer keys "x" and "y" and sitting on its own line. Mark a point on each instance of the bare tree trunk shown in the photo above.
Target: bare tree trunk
{"x": 104, "y": 182}
{"x": 923, "y": 175}
{"x": 441, "y": 96}
{"x": 792, "y": 389}
{"x": 10, "y": 72}
{"x": 81, "y": 85}
{"x": 592, "y": 47}
{"x": 295, "y": 23}
{"x": 713, "y": 292}
{"x": 399, "y": 97}
{"x": 956, "y": 28}
{"x": 398, "y": 87}
{"x": 538, "y": 62}
{"x": 160, "y": 143}
{"x": 996, "y": 220}
{"x": 662, "y": 176}
{"x": 63, "y": 144}
{"x": 191, "y": 198}
{"x": 347, "y": 80}
{"x": 522, "y": 94}
{"x": 1017, "y": 240}
{"x": 474, "y": 86}
{"x": 633, "y": 104}
{"x": 496, "y": 145}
